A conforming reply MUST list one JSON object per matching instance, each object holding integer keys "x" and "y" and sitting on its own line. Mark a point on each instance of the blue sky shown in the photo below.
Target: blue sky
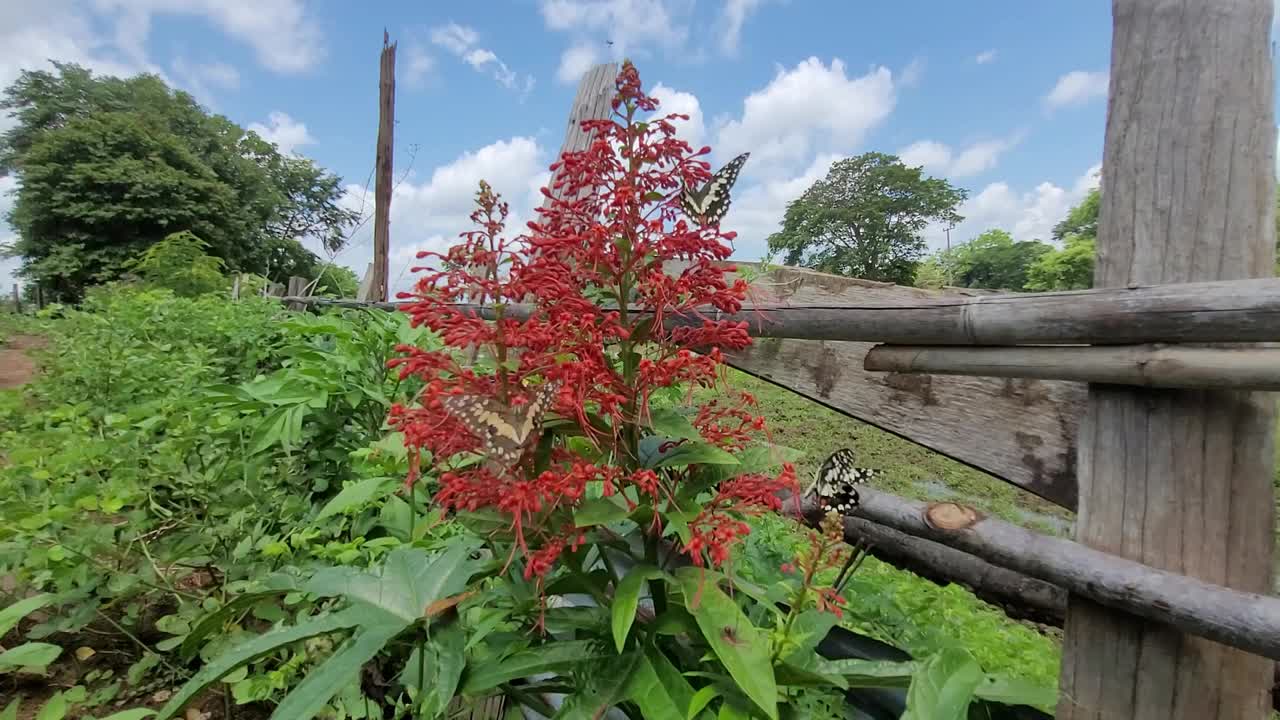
{"x": 1006, "y": 99}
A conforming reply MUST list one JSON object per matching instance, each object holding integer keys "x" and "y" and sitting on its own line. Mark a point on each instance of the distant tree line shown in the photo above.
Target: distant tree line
{"x": 107, "y": 168}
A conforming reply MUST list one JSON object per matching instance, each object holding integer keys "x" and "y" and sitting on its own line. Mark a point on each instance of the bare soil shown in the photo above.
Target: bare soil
{"x": 17, "y": 368}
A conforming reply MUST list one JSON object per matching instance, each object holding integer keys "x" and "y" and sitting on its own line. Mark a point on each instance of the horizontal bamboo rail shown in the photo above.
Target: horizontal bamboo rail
{"x": 1233, "y": 311}
{"x": 1143, "y": 365}
{"x": 1242, "y": 620}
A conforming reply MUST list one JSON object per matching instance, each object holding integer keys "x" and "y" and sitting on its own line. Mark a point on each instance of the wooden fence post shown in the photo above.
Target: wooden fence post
{"x": 17, "y": 298}
{"x": 1179, "y": 479}
{"x": 383, "y": 179}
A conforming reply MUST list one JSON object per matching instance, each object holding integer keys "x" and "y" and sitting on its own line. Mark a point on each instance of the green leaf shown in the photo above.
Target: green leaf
{"x": 545, "y": 658}
{"x": 213, "y": 621}
{"x": 11, "y": 710}
{"x": 673, "y": 424}
{"x": 739, "y": 645}
{"x": 408, "y": 580}
{"x": 444, "y": 665}
{"x": 356, "y": 495}
{"x": 313, "y": 693}
{"x": 606, "y": 687}
{"x": 15, "y": 612}
{"x": 700, "y": 699}
{"x": 626, "y": 598}
{"x": 600, "y": 511}
{"x": 1016, "y": 691}
{"x": 657, "y": 687}
{"x": 134, "y": 714}
{"x": 29, "y": 655}
{"x": 943, "y": 687}
{"x": 255, "y": 648}
{"x": 697, "y": 453}
{"x": 873, "y": 673}
{"x": 55, "y": 708}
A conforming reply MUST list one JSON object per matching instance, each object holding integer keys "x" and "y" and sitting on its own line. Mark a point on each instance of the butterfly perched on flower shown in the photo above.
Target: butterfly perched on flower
{"x": 836, "y": 481}
{"x": 708, "y": 204}
{"x": 504, "y": 432}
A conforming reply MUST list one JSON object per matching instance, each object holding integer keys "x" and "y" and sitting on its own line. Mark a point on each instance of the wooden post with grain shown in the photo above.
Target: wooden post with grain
{"x": 383, "y": 179}
{"x": 1179, "y": 479}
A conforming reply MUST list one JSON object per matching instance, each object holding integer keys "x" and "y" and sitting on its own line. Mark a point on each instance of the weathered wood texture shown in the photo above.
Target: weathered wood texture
{"x": 591, "y": 103}
{"x": 382, "y": 176}
{"x": 1142, "y": 365}
{"x": 1020, "y": 596}
{"x": 1180, "y": 479}
{"x": 1241, "y": 619}
{"x": 1022, "y": 431}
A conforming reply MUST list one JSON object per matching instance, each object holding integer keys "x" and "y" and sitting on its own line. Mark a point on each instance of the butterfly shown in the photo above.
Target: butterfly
{"x": 708, "y": 204}
{"x": 835, "y": 484}
{"x": 504, "y": 432}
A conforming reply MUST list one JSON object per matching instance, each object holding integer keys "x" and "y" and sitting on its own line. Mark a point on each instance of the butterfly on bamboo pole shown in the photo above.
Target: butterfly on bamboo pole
{"x": 708, "y": 204}
{"x": 835, "y": 485}
{"x": 504, "y": 432}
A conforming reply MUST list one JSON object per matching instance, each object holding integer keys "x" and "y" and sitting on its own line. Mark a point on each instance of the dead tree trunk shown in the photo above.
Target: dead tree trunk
{"x": 383, "y": 180}
{"x": 1179, "y": 479}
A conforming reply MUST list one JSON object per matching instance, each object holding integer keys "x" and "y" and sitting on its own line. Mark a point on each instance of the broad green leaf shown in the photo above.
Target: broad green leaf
{"x": 696, "y": 453}
{"x": 627, "y": 597}
{"x": 15, "y": 612}
{"x": 673, "y": 424}
{"x": 313, "y": 693}
{"x": 873, "y": 673}
{"x": 443, "y": 666}
{"x": 55, "y": 708}
{"x": 546, "y": 658}
{"x": 943, "y": 686}
{"x": 134, "y": 714}
{"x": 657, "y": 688}
{"x": 732, "y": 712}
{"x": 739, "y": 645}
{"x": 807, "y": 630}
{"x": 700, "y": 699}
{"x": 213, "y": 621}
{"x": 408, "y": 580}
{"x": 606, "y": 687}
{"x": 255, "y": 648}
{"x": 11, "y": 710}
{"x": 29, "y": 655}
{"x": 600, "y": 511}
{"x": 356, "y": 495}
{"x": 1016, "y": 691}
{"x": 270, "y": 430}
{"x": 807, "y": 670}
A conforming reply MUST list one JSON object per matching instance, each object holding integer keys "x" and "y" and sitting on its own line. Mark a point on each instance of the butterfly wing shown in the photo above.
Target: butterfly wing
{"x": 709, "y": 203}
{"x": 503, "y": 432}
{"x": 836, "y": 483}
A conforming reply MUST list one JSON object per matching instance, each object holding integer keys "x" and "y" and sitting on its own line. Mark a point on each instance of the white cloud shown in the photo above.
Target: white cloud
{"x": 757, "y": 210}
{"x": 203, "y": 79}
{"x": 1076, "y": 88}
{"x": 809, "y": 108}
{"x": 288, "y": 134}
{"x": 418, "y": 63}
{"x": 912, "y": 73}
{"x": 8, "y": 266}
{"x": 939, "y": 159}
{"x": 575, "y": 62}
{"x": 670, "y": 101}
{"x": 986, "y": 56}
{"x": 282, "y": 35}
{"x": 461, "y": 41}
{"x": 630, "y": 24}
{"x": 733, "y": 16}
{"x": 430, "y": 214}
{"x": 1028, "y": 215}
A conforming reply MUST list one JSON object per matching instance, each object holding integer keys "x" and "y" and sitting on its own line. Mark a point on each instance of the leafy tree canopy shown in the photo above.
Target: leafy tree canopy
{"x": 865, "y": 219}
{"x": 1071, "y": 266}
{"x": 993, "y": 260}
{"x": 110, "y": 166}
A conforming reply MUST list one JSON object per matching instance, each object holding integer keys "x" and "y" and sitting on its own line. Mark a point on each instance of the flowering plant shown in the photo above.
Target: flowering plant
{"x": 593, "y": 317}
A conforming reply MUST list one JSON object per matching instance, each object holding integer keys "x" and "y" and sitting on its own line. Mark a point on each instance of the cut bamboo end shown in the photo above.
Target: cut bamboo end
{"x": 951, "y": 516}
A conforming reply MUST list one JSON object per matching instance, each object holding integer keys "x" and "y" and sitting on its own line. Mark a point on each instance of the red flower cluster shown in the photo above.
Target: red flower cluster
{"x": 584, "y": 299}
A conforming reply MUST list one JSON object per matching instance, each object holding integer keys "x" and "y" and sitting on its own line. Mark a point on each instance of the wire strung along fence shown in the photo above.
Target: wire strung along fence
{"x": 1143, "y": 404}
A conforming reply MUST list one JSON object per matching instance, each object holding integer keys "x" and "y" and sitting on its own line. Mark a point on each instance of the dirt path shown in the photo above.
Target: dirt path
{"x": 16, "y": 367}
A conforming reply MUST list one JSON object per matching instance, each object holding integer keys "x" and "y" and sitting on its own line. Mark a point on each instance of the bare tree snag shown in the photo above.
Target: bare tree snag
{"x": 383, "y": 180}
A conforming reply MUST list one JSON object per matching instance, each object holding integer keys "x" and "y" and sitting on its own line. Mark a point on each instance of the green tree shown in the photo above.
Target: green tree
{"x": 1071, "y": 266}
{"x": 866, "y": 218}
{"x": 179, "y": 262}
{"x": 337, "y": 281}
{"x": 110, "y": 166}
{"x": 994, "y": 261}
{"x": 932, "y": 273}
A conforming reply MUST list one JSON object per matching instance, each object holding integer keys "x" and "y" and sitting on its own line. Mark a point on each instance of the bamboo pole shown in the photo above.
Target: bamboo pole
{"x": 1141, "y": 365}
{"x": 1250, "y": 621}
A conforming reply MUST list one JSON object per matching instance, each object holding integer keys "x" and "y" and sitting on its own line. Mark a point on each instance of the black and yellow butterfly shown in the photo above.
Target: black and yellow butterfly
{"x": 504, "y": 432}
{"x": 835, "y": 484}
{"x": 708, "y": 204}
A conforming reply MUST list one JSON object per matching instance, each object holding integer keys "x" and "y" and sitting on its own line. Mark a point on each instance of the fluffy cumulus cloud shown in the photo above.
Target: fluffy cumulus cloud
{"x": 463, "y": 42}
{"x": 418, "y": 65}
{"x": 939, "y": 159}
{"x": 631, "y": 25}
{"x": 1077, "y": 88}
{"x": 429, "y": 214}
{"x": 287, "y": 134}
{"x": 1028, "y": 215}
{"x": 575, "y": 62}
{"x": 808, "y": 109}
{"x": 733, "y": 16}
{"x": 757, "y": 210}
{"x": 671, "y": 101}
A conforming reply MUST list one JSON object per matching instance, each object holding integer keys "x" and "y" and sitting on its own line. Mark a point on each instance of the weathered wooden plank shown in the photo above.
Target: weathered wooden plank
{"x": 383, "y": 180}
{"x": 1022, "y": 431}
{"x": 1238, "y": 618}
{"x": 1180, "y": 479}
{"x": 592, "y": 102}
{"x": 1141, "y": 365}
